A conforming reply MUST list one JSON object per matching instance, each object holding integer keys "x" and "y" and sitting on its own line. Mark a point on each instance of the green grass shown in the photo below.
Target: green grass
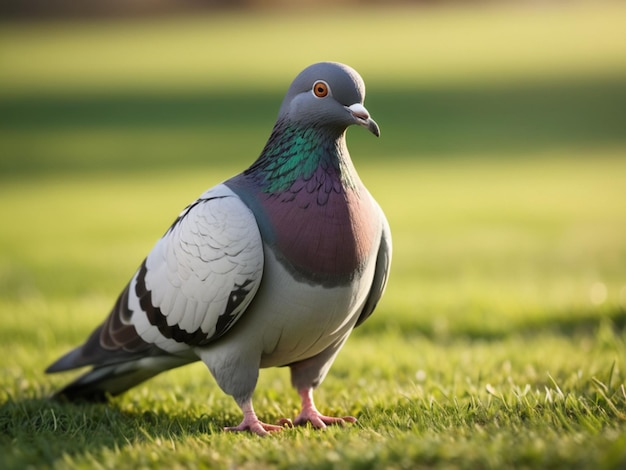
{"x": 501, "y": 340}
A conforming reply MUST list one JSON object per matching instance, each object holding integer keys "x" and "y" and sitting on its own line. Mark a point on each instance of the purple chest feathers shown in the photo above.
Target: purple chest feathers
{"x": 322, "y": 229}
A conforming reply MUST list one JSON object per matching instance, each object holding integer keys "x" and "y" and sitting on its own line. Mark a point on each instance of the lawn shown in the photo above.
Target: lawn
{"x": 501, "y": 340}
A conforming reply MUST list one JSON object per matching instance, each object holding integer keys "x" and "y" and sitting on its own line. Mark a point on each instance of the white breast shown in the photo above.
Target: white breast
{"x": 289, "y": 321}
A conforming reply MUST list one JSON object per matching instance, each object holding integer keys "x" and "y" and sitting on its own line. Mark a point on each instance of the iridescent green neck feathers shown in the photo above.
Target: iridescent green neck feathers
{"x": 294, "y": 153}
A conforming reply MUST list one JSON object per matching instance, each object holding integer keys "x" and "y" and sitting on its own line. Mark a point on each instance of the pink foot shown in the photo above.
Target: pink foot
{"x": 252, "y": 424}
{"x": 257, "y": 427}
{"x": 309, "y": 414}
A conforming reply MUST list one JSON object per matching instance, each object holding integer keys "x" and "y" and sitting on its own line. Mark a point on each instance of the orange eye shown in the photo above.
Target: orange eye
{"x": 320, "y": 89}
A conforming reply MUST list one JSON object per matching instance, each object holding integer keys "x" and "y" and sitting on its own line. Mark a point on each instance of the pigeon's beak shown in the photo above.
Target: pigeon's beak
{"x": 362, "y": 118}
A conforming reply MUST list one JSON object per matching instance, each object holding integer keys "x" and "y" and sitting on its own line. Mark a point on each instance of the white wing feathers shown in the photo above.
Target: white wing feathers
{"x": 201, "y": 275}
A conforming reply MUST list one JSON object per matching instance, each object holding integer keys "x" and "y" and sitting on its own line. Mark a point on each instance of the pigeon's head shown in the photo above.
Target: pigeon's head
{"x": 328, "y": 95}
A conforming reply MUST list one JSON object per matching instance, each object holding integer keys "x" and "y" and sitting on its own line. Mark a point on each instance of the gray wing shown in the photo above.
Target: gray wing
{"x": 193, "y": 286}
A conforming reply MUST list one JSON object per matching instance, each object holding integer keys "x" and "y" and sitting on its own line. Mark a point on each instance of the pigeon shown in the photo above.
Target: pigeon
{"x": 273, "y": 267}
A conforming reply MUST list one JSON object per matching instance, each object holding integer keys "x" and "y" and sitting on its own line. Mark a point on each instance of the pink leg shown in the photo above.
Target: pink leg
{"x": 252, "y": 423}
{"x": 309, "y": 413}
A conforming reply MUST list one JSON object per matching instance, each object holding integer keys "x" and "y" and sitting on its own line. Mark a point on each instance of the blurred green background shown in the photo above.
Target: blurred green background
{"x": 501, "y": 163}
{"x": 497, "y": 119}
{"x": 501, "y": 166}
{"x": 182, "y": 91}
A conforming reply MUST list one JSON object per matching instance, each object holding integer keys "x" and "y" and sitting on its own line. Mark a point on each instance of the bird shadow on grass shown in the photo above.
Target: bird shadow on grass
{"x": 42, "y": 430}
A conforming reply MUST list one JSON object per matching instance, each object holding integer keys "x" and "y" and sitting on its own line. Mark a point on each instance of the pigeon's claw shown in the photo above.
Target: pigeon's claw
{"x": 320, "y": 421}
{"x": 252, "y": 424}
{"x": 309, "y": 414}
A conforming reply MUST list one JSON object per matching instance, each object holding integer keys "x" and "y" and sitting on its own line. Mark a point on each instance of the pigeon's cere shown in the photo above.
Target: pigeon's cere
{"x": 274, "y": 267}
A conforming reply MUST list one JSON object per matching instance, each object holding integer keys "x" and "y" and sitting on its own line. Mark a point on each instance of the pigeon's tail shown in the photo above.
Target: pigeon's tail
{"x": 113, "y": 379}
{"x": 118, "y": 363}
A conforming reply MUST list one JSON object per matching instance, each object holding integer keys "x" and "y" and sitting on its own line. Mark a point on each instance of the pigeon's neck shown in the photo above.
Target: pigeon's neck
{"x": 310, "y": 205}
{"x": 295, "y": 153}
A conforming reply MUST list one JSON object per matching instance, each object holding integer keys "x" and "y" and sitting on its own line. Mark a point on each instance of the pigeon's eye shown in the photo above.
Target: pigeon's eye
{"x": 320, "y": 89}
